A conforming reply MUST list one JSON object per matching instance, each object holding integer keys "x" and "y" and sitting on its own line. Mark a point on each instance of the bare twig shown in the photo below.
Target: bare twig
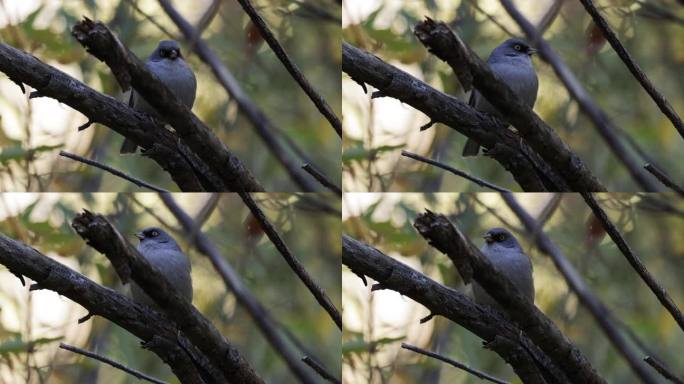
{"x": 139, "y": 375}
{"x": 634, "y": 260}
{"x": 291, "y": 67}
{"x": 633, "y": 67}
{"x": 472, "y": 371}
{"x": 574, "y": 280}
{"x": 261, "y": 317}
{"x": 316, "y": 366}
{"x": 113, "y": 171}
{"x": 292, "y": 261}
{"x": 457, "y": 172}
{"x": 662, "y": 369}
{"x": 664, "y": 178}
{"x": 322, "y": 179}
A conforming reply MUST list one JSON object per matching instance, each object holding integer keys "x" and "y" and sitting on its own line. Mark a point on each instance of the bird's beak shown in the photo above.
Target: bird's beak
{"x": 531, "y": 51}
{"x": 140, "y": 235}
{"x": 173, "y": 54}
{"x": 488, "y": 238}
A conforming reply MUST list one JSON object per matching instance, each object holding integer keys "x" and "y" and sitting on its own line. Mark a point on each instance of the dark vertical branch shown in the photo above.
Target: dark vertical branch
{"x": 634, "y": 260}
{"x": 292, "y": 261}
{"x": 291, "y": 67}
{"x": 633, "y": 67}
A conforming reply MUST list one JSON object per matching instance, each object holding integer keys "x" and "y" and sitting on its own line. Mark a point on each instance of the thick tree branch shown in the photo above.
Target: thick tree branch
{"x": 636, "y": 263}
{"x": 160, "y": 144}
{"x": 499, "y": 334}
{"x": 129, "y": 263}
{"x": 291, "y": 67}
{"x": 586, "y": 297}
{"x": 528, "y": 169}
{"x": 294, "y": 263}
{"x": 263, "y": 126}
{"x": 261, "y": 317}
{"x": 633, "y": 67}
{"x": 447, "y": 238}
{"x": 443, "y": 42}
{"x": 602, "y": 123}
{"x": 158, "y": 334}
{"x": 129, "y": 70}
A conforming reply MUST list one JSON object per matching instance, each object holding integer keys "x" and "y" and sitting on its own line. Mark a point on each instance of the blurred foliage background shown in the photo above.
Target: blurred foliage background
{"x": 32, "y": 132}
{"x": 45, "y": 318}
{"x": 377, "y": 323}
{"x": 376, "y": 131}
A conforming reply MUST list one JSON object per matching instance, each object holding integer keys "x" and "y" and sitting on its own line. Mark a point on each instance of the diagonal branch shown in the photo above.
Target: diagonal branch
{"x": 111, "y": 170}
{"x": 243, "y": 295}
{"x": 498, "y": 333}
{"x": 633, "y": 67}
{"x": 445, "y": 44}
{"x": 605, "y": 127}
{"x": 586, "y": 297}
{"x": 129, "y": 70}
{"x": 129, "y": 263}
{"x": 448, "y": 239}
{"x": 158, "y": 334}
{"x": 291, "y": 67}
{"x": 530, "y": 171}
{"x": 636, "y": 263}
{"x": 263, "y": 126}
{"x": 292, "y": 261}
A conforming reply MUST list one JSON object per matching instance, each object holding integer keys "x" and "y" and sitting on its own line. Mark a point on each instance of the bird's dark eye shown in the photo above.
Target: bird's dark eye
{"x": 499, "y": 237}
{"x": 154, "y": 233}
{"x": 517, "y": 47}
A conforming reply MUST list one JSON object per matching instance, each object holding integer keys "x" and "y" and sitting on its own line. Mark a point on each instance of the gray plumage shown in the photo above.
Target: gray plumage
{"x": 503, "y": 250}
{"x": 167, "y": 63}
{"x": 512, "y": 64}
{"x": 162, "y": 251}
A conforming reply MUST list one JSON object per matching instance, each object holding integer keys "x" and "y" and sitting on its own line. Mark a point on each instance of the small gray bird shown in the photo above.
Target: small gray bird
{"x": 503, "y": 250}
{"x": 167, "y": 63}
{"x": 162, "y": 251}
{"x": 512, "y": 64}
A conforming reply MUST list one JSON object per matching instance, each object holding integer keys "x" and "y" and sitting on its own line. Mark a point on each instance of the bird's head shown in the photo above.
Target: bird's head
{"x": 154, "y": 235}
{"x": 514, "y": 48}
{"x": 167, "y": 49}
{"x": 501, "y": 237}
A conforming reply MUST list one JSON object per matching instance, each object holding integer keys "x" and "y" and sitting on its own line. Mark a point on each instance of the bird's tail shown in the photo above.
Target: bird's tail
{"x": 471, "y": 148}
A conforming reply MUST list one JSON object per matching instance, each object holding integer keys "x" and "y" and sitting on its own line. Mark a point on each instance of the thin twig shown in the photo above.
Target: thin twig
{"x": 633, "y": 67}
{"x": 137, "y": 374}
{"x": 291, "y": 67}
{"x": 321, "y": 178}
{"x": 113, "y": 171}
{"x": 664, "y": 178}
{"x": 662, "y": 369}
{"x": 455, "y": 171}
{"x": 320, "y": 370}
{"x": 634, "y": 260}
{"x": 295, "y": 264}
{"x": 480, "y": 374}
